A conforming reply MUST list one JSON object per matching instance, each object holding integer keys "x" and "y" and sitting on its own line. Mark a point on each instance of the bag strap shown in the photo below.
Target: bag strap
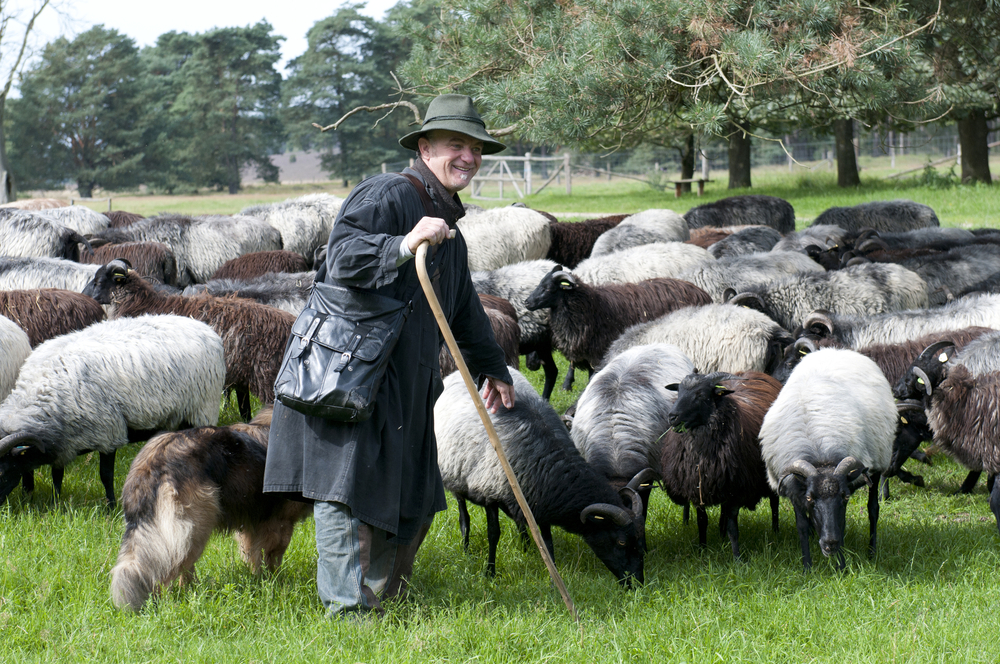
{"x": 425, "y": 198}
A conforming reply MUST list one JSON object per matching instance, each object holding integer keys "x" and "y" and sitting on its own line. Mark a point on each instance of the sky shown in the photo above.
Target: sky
{"x": 144, "y": 22}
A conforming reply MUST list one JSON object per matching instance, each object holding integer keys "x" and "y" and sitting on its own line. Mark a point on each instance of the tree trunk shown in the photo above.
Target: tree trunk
{"x": 234, "y": 177}
{"x": 687, "y": 162}
{"x": 972, "y": 136}
{"x": 739, "y": 155}
{"x": 847, "y": 163}
{"x": 86, "y": 189}
{"x": 7, "y": 191}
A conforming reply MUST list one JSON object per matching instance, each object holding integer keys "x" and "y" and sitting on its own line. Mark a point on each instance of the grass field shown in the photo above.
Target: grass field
{"x": 929, "y": 594}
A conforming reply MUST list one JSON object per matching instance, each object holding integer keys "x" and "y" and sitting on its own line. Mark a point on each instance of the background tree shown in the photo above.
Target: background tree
{"x": 13, "y": 47}
{"x": 225, "y": 113}
{"x": 79, "y": 113}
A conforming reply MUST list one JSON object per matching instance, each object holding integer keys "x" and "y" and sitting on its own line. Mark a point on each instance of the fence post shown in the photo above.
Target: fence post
{"x": 958, "y": 155}
{"x": 569, "y": 178}
{"x": 383, "y": 167}
{"x": 704, "y": 166}
{"x": 608, "y": 164}
{"x": 527, "y": 174}
{"x": 892, "y": 150}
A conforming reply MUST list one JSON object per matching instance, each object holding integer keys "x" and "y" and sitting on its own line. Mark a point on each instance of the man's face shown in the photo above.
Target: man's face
{"x": 453, "y": 157}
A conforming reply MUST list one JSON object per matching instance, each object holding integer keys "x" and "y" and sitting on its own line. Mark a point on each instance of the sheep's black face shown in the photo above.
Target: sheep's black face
{"x": 621, "y": 549}
{"x": 912, "y": 430}
{"x": 106, "y": 280}
{"x": 12, "y": 467}
{"x": 925, "y": 374}
{"x": 826, "y": 498}
{"x": 546, "y": 294}
{"x": 698, "y": 397}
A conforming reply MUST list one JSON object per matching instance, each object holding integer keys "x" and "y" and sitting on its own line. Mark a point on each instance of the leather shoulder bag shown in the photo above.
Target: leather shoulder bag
{"x": 337, "y": 354}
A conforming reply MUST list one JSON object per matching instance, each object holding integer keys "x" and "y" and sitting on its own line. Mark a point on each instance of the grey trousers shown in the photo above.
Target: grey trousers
{"x": 356, "y": 567}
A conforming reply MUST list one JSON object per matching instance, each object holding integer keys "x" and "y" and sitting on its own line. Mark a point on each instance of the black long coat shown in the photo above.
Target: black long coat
{"x": 385, "y": 469}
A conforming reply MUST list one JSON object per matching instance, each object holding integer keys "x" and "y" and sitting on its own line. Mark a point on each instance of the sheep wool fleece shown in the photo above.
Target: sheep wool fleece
{"x": 385, "y": 469}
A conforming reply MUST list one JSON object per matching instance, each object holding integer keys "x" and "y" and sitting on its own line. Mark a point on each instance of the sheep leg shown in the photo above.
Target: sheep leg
{"x": 243, "y": 402}
{"x": 995, "y": 502}
{"x": 492, "y": 536}
{"x": 550, "y": 369}
{"x": 732, "y": 515}
{"x": 546, "y": 532}
{"x": 463, "y": 521}
{"x": 106, "y": 471}
{"x": 774, "y": 511}
{"x": 803, "y": 526}
{"x": 921, "y": 456}
{"x": 570, "y": 377}
{"x": 884, "y": 487}
{"x": 28, "y": 481}
{"x": 525, "y": 537}
{"x": 990, "y": 482}
{"x": 873, "y": 514}
{"x": 702, "y": 526}
{"x": 970, "y": 481}
{"x": 910, "y": 478}
{"x": 687, "y": 514}
{"x": 57, "y": 479}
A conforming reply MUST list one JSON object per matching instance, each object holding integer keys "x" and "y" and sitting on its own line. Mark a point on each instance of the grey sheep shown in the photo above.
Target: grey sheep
{"x": 824, "y": 236}
{"x": 28, "y": 273}
{"x": 753, "y": 240}
{"x": 503, "y": 236}
{"x": 647, "y": 261}
{"x": 829, "y": 432}
{"x": 717, "y": 337}
{"x": 738, "y": 272}
{"x": 889, "y": 216}
{"x": 102, "y": 387}
{"x": 304, "y": 222}
{"x": 81, "y": 219}
{"x": 561, "y": 488}
{"x": 642, "y": 228}
{"x": 27, "y": 235}
{"x": 752, "y": 209}
{"x": 286, "y": 291}
{"x": 14, "y": 349}
{"x": 861, "y": 290}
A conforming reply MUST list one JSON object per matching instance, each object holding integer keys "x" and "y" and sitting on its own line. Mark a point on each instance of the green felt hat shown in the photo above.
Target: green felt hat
{"x": 455, "y": 113}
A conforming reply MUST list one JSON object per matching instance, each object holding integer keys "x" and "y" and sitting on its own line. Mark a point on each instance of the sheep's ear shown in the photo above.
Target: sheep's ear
{"x": 728, "y": 294}
{"x": 721, "y": 391}
{"x": 673, "y": 387}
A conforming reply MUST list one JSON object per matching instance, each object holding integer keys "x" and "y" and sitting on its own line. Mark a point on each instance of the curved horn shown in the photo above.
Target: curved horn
{"x": 13, "y": 440}
{"x": 728, "y": 294}
{"x": 848, "y": 464}
{"x": 802, "y": 468}
{"x": 919, "y": 373}
{"x": 865, "y": 234}
{"x": 909, "y": 404}
{"x": 633, "y": 502}
{"x": 857, "y": 260}
{"x": 805, "y": 344}
{"x": 643, "y": 478}
{"x": 619, "y": 515}
{"x": 821, "y": 318}
{"x": 933, "y": 349}
{"x": 744, "y": 299}
{"x": 76, "y": 237}
{"x": 874, "y": 244}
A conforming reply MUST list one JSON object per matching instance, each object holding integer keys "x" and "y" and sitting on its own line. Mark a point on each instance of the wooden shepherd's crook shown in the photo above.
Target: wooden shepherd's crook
{"x": 449, "y": 338}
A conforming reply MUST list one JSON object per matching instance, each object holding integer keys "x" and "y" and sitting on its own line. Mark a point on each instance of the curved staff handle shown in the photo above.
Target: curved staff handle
{"x": 449, "y": 338}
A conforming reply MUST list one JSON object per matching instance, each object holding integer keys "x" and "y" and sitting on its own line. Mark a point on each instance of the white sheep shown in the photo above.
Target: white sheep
{"x": 502, "y": 236}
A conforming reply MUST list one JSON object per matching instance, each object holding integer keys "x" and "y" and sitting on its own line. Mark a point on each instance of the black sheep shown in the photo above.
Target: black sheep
{"x": 711, "y": 455}
{"x": 572, "y": 241}
{"x": 752, "y": 209}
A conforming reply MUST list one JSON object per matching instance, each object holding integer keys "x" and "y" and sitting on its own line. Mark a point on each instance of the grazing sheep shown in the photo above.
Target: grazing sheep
{"x": 642, "y": 228}
{"x": 281, "y": 290}
{"x": 717, "y": 337}
{"x": 34, "y": 204}
{"x": 990, "y": 284}
{"x": 250, "y": 266}
{"x": 153, "y": 260}
{"x": 711, "y": 453}
{"x": 955, "y": 270}
{"x": 14, "y": 348}
{"x": 254, "y": 335}
{"x": 49, "y": 312}
{"x": 829, "y": 431}
{"x": 27, "y": 235}
{"x": 181, "y": 488}
{"x": 752, "y": 209}
{"x": 860, "y": 290}
{"x": 888, "y": 216}
{"x": 120, "y": 218}
{"x": 623, "y": 411}
{"x": 79, "y": 218}
{"x": 897, "y": 326}
{"x": 502, "y": 236}
{"x": 647, "y": 261}
{"x": 28, "y": 273}
{"x": 752, "y": 240}
{"x": 824, "y": 236}
{"x": 586, "y": 319}
{"x": 561, "y": 488}
{"x": 304, "y": 222}
{"x": 515, "y": 283}
{"x": 572, "y": 242}
{"x": 739, "y": 272}
{"x": 706, "y": 237}
{"x": 105, "y": 386}
{"x": 200, "y": 244}
{"x": 503, "y": 320}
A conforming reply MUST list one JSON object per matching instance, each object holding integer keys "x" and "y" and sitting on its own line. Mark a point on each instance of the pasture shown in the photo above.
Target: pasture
{"x": 929, "y": 594}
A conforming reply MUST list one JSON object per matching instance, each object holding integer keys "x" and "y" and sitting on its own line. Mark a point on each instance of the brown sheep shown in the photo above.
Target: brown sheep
{"x": 49, "y": 312}
{"x": 258, "y": 263}
{"x": 503, "y": 320}
{"x": 154, "y": 260}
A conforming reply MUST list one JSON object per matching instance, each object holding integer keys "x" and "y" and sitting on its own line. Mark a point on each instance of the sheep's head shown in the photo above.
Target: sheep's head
{"x": 107, "y": 280}
{"x": 818, "y": 324}
{"x": 698, "y": 397}
{"x": 821, "y": 494}
{"x": 926, "y": 372}
{"x": 793, "y": 355}
{"x": 547, "y": 293}
{"x": 19, "y": 453}
{"x": 617, "y": 534}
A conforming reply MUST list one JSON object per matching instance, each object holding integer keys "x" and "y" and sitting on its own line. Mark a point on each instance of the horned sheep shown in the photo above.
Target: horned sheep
{"x": 896, "y": 215}
{"x": 741, "y": 210}
{"x": 642, "y": 228}
{"x": 28, "y": 235}
{"x": 502, "y": 236}
{"x": 739, "y": 272}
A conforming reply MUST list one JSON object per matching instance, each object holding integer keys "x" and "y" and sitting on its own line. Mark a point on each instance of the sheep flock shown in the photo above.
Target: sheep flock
{"x": 731, "y": 358}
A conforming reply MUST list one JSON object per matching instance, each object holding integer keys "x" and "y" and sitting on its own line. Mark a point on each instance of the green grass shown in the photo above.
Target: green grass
{"x": 929, "y": 594}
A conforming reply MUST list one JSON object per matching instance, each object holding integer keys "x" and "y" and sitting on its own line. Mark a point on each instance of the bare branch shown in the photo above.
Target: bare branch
{"x": 372, "y": 109}
{"x": 506, "y": 131}
{"x": 24, "y": 46}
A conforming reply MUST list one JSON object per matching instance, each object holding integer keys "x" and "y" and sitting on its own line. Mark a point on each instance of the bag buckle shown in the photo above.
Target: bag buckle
{"x": 356, "y": 338}
{"x": 307, "y": 337}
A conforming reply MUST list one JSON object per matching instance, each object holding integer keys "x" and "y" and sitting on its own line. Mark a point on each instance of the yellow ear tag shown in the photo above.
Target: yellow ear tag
{"x": 599, "y": 518}
{"x": 943, "y": 357}
{"x": 920, "y": 381}
{"x": 903, "y": 420}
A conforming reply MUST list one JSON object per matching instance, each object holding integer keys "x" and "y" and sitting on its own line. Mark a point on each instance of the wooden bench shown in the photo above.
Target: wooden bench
{"x": 678, "y": 184}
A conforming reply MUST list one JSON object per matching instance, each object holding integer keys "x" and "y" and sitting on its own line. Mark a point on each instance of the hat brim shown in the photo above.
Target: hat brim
{"x": 471, "y": 129}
